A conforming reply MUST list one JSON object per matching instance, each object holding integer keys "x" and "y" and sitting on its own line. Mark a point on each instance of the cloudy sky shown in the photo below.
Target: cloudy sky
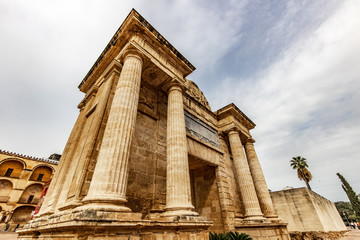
{"x": 291, "y": 66}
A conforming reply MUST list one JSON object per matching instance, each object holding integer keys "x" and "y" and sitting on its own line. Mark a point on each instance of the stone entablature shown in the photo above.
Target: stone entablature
{"x": 21, "y": 183}
{"x": 153, "y": 44}
{"x": 130, "y": 167}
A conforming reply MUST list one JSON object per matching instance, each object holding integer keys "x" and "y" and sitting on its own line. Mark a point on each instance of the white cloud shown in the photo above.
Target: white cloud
{"x": 307, "y": 104}
{"x": 48, "y": 47}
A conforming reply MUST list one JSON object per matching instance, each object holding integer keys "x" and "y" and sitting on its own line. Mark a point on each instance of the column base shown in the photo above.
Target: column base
{"x": 107, "y": 207}
{"x": 47, "y": 212}
{"x": 105, "y": 198}
{"x": 255, "y": 218}
{"x": 173, "y": 213}
{"x": 70, "y": 205}
{"x": 104, "y": 202}
{"x": 272, "y": 216}
{"x": 185, "y": 210}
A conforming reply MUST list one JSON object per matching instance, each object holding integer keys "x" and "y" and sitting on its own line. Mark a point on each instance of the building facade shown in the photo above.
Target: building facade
{"x": 148, "y": 158}
{"x": 21, "y": 183}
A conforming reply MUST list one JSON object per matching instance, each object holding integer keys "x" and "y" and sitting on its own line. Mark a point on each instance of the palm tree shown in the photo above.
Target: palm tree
{"x": 299, "y": 163}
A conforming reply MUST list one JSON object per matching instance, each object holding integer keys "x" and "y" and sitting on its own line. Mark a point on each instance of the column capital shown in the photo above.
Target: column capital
{"x": 231, "y": 131}
{"x": 174, "y": 84}
{"x": 250, "y": 141}
{"x": 133, "y": 52}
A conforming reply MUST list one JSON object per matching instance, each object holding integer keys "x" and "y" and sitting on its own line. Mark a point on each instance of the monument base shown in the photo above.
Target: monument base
{"x": 263, "y": 229}
{"x": 86, "y": 225}
{"x": 112, "y": 225}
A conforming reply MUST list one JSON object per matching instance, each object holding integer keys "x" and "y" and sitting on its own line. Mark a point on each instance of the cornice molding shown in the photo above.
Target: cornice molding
{"x": 134, "y": 24}
{"x": 233, "y": 110}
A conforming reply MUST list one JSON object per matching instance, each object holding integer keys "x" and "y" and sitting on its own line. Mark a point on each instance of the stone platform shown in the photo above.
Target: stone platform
{"x": 106, "y": 225}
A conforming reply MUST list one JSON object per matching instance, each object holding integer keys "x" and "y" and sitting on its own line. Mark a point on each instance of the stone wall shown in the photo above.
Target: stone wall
{"x": 206, "y": 196}
{"x": 329, "y": 215}
{"x": 306, "y": 211}
{"x": 146, "y": 190}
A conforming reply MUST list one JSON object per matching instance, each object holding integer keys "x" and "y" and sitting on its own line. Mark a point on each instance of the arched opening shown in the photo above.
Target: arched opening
{"x": 41, "y": 174}
{"x": 22, "y": 215}
{"x": 31, "y": 194}
{"x": 5, "y": 188}
{"x": 11, "y": 168}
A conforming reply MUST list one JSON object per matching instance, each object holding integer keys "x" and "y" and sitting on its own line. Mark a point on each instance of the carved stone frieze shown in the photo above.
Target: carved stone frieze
{"x": 148, "y": 99}
{"x": 197, "y": 94}
{"x": 201, "y": 130}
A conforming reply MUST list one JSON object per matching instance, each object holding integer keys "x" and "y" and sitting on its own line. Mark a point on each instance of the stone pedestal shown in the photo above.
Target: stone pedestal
{"x": 108, "y": 186}
{"x": 245, "y": 182}
{"x": 112, "y": 226}
{"x": 261, "y": 188}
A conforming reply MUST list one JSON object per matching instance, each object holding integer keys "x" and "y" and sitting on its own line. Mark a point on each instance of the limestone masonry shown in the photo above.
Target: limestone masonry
{"x": 307, "y": 211}
{"x": 148, "y": 158}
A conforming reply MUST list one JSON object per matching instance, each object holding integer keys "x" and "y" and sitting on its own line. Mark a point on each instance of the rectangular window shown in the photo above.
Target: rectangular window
{"x": 9, "y": 172}
{"x": 40, "y": 177}
{"x": 31, "y": 197}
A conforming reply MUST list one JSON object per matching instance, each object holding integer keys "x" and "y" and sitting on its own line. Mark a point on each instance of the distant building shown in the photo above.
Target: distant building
{"x": 22, "y": 180}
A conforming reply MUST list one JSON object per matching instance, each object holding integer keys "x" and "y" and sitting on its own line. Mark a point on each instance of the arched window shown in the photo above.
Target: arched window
{"x": 31, "y": 194}
{"x": 22, "y": 214}
{"x": 5, "y": 188}
{"x": 41, "y": 173}
{"x": 11, "y": 168}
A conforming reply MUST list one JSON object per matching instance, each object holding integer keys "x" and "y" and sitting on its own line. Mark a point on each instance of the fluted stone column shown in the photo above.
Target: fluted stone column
{"x": 259, "y": 181}
{"x": 108, "y": 185}
{"x": 178, "y": 191}
{"x": 246, "y": 185}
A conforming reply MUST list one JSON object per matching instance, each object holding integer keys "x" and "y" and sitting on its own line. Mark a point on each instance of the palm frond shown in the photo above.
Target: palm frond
{"x": 238, "y": 236}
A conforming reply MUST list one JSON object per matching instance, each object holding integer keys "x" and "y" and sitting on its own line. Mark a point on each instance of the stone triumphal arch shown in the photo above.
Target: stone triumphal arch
{"x": 148, "y": 158}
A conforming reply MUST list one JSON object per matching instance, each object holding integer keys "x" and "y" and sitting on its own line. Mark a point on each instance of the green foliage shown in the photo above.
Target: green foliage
{"x": 300, "y": 164}
{"x": 229, "y": 236}
{"x": 218, "y": 236}
{"x": 238, "y": 236}
{"x": 346, "y": 212}
{"x": 354, "y": 199}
